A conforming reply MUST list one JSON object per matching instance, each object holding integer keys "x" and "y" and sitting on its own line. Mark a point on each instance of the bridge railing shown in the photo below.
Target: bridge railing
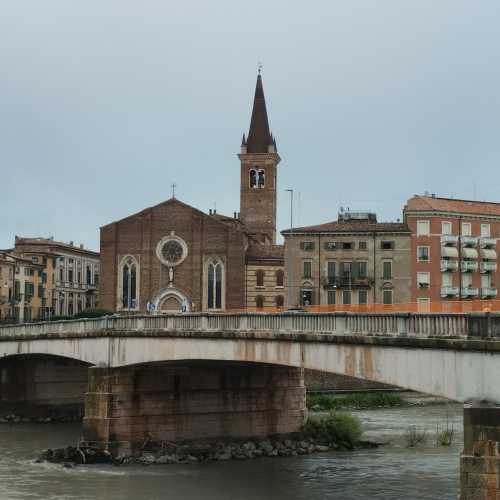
{"x": 390, "y": 324}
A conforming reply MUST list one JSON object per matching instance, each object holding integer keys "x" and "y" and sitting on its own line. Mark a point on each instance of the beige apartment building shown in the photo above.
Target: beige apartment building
{"x": 454, "y": 249}
{"x": 71, "y": 273}
{"x": 353, "y": 260}
{"x": 22, "y": 289}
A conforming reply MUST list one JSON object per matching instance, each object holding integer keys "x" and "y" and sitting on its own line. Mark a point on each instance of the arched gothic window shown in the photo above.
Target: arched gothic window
{"x": 253, "y": 178}
{"x": 280, "y": 277}
{"x": 260, "y": 277}
{"x": 279, "y": 301}
{"x": 129, "y": 283}
{"x": 261, "y": 179}
{"x": 215, "y": 276}
{"x": 259, "y": 301}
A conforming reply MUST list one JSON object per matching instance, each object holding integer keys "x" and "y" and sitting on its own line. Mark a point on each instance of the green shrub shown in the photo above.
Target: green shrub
{"x": 336, "y": 429}
{"x": 59, "y": 318}
{"x": 92, "y": 313}
{"x": 366, "y": 400}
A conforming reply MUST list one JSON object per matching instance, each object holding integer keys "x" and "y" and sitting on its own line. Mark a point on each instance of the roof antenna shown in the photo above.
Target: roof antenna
{"x": 174, "y": 185}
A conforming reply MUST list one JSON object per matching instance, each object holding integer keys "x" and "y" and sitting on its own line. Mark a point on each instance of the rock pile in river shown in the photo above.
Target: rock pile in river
{"x": 189, "y": 453}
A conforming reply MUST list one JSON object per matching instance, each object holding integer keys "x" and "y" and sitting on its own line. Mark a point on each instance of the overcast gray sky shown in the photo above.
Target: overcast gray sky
{"x": 104, "y": 104}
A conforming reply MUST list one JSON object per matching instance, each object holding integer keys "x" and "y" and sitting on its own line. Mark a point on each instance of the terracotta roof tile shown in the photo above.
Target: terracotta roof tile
{"x": 257, "y": 251}
{"x": 352, "y": 226}
{"x": 434, "y": 204}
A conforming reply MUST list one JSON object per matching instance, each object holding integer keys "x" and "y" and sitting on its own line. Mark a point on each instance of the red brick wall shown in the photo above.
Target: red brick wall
{"x": 139, "y": 235}
{"x": 434, "y": 242}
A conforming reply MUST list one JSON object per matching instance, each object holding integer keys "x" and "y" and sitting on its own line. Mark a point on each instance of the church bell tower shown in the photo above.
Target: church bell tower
{"x": 259, "y": 161}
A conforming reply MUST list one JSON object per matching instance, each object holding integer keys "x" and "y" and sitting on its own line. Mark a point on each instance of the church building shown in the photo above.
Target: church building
{"x": 173, "y": 257}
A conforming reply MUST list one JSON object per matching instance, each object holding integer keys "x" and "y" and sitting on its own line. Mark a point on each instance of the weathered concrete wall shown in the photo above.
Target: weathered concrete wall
{"x": 34, "y": 381}
{"x": 456, "y": 369}
{"x": 126, "y": 407}
{"x": 480, "y": 461}
{"x": 316, "y": 380}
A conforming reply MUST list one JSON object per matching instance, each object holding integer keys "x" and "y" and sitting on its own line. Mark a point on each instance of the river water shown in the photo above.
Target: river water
{"x": 392, "y": 471}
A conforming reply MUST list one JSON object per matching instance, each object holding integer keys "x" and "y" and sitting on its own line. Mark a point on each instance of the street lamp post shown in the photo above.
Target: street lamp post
{"x": 289, "y": 274}
{"x": 291, "y": 207}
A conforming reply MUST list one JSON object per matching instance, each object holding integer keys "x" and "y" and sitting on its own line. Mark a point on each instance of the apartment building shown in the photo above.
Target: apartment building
{"x": 71, "y": 273}
{"x": 453, "y": 248}
{"x": 7, "y": 284}
{"x": 353, "y": 260}
{"x": 22, "y": 289}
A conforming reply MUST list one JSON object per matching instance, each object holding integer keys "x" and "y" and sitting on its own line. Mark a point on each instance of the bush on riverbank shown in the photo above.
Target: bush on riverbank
{"x": 327, "y": 402}
{"x": 338, "y": 429}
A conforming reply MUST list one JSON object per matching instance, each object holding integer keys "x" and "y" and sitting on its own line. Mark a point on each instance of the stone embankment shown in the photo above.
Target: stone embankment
{"x": 12, "y": 418}
{"x": 190, "y": 453}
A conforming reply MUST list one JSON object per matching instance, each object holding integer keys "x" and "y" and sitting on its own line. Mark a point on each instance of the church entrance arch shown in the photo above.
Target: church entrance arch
{"x": 171, "y": 300}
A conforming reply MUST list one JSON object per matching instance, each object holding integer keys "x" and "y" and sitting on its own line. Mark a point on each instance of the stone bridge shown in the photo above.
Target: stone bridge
{"x": 192, "y": 376}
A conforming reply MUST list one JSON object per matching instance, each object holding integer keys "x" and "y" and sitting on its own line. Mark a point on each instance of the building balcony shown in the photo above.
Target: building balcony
{"x": 485, "y": 242}
{"x": 448, "y": 239}
{"x": 449, "y": 265}
{"x": 470, "y": 292}
{"x": 488, "y": 266}
{"x": 449, "y": 291}
{"x": 468, "y": 266}
{"x": 346, "y": 282}
{"x": 488, "y": 292}
{"x": 468, "y": 241}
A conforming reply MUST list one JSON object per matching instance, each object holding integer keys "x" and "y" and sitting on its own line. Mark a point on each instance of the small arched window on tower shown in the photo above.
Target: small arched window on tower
{"x": 262, "y": 179}
{"x": 260, "y": 277}
{"x": 253, "y": 178}
{"x": 259, "y": 301}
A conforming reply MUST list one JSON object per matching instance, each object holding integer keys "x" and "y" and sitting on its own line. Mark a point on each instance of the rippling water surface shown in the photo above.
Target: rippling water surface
{"x": 390, "y": 472}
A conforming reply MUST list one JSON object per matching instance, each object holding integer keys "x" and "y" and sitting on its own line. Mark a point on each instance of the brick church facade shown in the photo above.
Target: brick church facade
{"x": 173, "y": 256}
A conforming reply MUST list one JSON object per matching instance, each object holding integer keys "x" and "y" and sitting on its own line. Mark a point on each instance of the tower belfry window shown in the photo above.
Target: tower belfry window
{"x": 253, "y": 178}
{"x": 262, "y": 179}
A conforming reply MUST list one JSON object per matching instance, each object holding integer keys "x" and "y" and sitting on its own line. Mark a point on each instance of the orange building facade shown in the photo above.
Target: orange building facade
{"x": 454, "y": 249}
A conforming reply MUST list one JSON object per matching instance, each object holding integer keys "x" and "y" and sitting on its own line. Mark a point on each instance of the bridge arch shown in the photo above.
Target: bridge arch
{"x": 438, "y": 367}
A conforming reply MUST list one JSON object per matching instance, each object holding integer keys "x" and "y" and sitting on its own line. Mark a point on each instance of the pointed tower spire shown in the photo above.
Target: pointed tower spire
{"x": 259, "y": 136}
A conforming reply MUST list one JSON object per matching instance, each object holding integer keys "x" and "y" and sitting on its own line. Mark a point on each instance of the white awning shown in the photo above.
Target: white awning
{"x": 488, "y": 254}
{"x": 451, "y": 252}
{"x": 469, "y": 253}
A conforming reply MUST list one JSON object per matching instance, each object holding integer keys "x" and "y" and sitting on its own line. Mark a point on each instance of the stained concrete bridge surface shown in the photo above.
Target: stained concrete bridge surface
{"x": 198, "y": 376}
{"x": 456, "y": 356}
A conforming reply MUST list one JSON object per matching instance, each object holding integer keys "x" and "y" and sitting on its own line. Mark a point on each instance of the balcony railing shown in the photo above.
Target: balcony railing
{"x": 468, "y": 266}
{"x": 449, "y": 291}
{"x": 485, "y": 242}
{"x": 468, "y": 241}
{"x": 488, "y": 266}
{"x": 470, "y": 292}
{"x": 448, "y": 239}
{"x": 449, "y": 265}
{"x": 488, "y": 292}
{"x": 346, "y": 282}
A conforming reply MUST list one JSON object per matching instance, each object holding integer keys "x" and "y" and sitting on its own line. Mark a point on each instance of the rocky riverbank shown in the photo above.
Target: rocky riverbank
{"x": 191, "y": 453}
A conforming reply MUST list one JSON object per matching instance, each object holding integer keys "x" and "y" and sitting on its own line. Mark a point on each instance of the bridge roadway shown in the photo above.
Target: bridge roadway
{"x": 454, "y": 356}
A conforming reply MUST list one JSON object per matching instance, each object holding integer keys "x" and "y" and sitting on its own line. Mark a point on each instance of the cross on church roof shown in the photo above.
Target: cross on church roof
{"x": 174, "y": 185}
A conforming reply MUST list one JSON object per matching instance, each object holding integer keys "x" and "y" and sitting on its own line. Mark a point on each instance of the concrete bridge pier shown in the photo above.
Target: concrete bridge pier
{"x": 480, "y": 460}
{"x": 130, "y": 406}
